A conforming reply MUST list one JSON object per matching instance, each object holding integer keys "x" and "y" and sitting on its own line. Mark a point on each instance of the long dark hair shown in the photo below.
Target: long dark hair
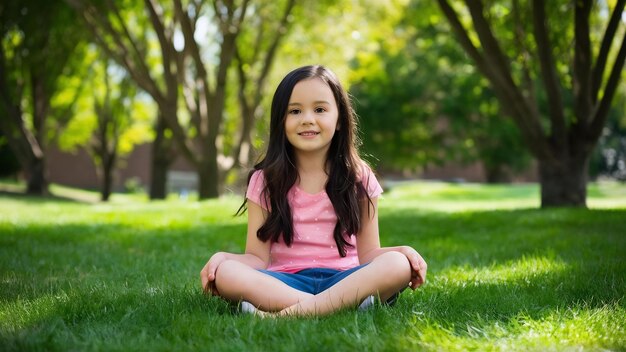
{"x": 344, "y": 186}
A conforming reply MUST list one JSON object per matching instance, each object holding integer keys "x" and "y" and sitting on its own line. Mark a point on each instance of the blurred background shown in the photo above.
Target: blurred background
{"x": 173, "y": 96}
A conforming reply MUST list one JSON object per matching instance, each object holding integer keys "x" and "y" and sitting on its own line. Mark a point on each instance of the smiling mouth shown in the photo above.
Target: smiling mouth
{"x": 308, "y": 133}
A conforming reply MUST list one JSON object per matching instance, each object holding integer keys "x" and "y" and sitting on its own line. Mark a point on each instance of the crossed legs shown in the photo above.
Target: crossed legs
{"x": 384, "y": 276}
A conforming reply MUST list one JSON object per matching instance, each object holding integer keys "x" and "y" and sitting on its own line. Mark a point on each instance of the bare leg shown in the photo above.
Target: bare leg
{"x": 236, "y": 281}
{"x": 384, "y": 276}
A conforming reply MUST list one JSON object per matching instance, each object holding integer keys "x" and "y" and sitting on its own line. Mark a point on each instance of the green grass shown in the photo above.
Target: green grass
{"x": 503, "y": 275}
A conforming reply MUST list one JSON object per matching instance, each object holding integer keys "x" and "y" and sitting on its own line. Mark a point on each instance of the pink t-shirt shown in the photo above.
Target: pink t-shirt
{"x": 314, "y": 220}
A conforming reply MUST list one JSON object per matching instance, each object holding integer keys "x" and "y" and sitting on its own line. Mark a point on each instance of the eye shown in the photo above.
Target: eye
{"x": 320, "y": 110}
{"x": 294, "y": 111}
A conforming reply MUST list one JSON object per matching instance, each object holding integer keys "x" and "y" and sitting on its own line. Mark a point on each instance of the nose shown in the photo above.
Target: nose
{"x": 307, "y": 118}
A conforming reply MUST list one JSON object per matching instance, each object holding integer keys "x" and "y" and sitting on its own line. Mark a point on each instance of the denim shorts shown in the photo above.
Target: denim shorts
{"x": 314, "y": 280}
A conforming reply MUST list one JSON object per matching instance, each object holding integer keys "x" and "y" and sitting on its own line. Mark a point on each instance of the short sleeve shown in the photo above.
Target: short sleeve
{"x": 370, "y": 182}
{"x": 255, "y": 189}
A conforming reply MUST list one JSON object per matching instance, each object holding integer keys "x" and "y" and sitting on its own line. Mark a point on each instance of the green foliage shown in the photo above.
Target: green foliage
{"x": 331, "y": 33}
{"x": 39, "y": 38}
{"x": 124, "y": 276}
{"x": 421, "y": 101}
{"x": 132, "y": 113}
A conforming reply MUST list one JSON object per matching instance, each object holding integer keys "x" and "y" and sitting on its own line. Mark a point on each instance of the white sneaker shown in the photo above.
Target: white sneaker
{"x": 247, "y": 307}
{"x": 367, "y": 303}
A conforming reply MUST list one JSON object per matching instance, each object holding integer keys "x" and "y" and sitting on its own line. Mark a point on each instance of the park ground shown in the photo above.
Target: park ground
{"x": 76, "y": 274}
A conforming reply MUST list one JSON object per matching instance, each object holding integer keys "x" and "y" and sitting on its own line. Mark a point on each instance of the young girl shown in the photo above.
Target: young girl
{"x": 312, "y": 245}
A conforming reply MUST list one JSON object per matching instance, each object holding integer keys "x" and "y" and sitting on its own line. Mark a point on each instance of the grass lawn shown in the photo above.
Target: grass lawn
{"x": 503, "y": 275}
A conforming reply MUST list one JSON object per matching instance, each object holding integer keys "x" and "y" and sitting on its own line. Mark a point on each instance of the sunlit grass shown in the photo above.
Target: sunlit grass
{"x": 578, "y": 328}
{"x": 503, "y": 275}
{"x": 441, "y": 196}
{"x": 525, "y": 270}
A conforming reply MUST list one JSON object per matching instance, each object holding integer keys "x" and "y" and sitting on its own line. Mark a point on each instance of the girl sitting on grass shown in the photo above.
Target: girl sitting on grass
{"x": 312, "y": 244}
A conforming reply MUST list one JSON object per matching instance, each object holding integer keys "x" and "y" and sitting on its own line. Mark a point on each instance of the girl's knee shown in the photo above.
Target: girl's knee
{"x": 394, "y": 259}
{"x": 229, "y": 274}
{"x": 396, "y": 266}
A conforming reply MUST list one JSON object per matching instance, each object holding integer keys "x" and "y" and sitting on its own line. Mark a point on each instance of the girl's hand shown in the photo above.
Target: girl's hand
{"x": 207, "y": 275}
{"x": 418, "y": 266}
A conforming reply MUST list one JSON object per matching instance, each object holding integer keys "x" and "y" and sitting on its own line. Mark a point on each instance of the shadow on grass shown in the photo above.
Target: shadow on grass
{"x": 484, "y": 237}
{"x": 36, "y": 199}
{"x": 534, "y": 295}
{"x": 38, "y": 260}
{"x": 101, "y": 317}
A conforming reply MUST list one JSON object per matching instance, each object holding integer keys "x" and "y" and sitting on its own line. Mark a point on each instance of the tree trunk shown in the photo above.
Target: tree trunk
{"x": 496, "y": 174}
{"x": 108, "y": 165}
{"x": 158, "y": 178}
{"x": 208, "y": 177}
{"x": 36, "y": 174}
{"x": 37, "y": 178}
{"x": 162, "y": 157}
{"x": 564, "y": 182}
{"x": 107, "y": 182}
{"x": 242, "y": 154}
{"x": 26, "y": 150}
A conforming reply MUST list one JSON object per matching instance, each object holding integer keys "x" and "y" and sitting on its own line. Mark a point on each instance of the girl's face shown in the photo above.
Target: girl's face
{"x": 312, "y": 117}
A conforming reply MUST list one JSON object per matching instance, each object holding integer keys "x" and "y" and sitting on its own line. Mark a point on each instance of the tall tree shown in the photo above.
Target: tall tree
{"x": 255, "y": 53}
{"x": 198, "y": 71}
{"x": 38, "y": 37}
{"x": 255, "y": 47}
{"x": 205, "y": 94}
{"x": 561, "y": 138}
{"x": 114, "y": 117}
{"x": 130, "y": 48}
